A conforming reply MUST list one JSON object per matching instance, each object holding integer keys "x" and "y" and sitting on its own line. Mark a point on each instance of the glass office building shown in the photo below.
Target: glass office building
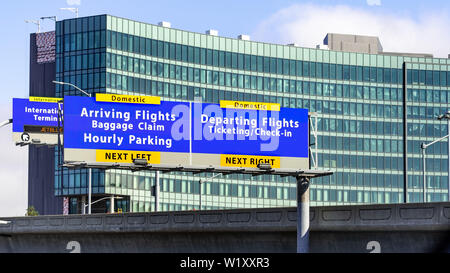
{"x": 359, "y": 99}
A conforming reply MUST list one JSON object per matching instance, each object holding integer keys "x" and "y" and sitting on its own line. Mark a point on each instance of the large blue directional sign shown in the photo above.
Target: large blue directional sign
{"x": 229, "y": 133}
{"x": 91, "y": 124}
{"x": 218, "y": 130}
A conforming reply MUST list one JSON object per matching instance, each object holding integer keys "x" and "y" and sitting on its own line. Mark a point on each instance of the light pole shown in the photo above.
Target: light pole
{"x": 200, "y": 189}
{"x": 447, "y": 117}
{"x": 89, "y": 169}
{"x": 155, "y": 189}
{"x": 49, "y": 17}
{"x": 74, "y": 86}
{"x": 36, "y": 22}
{"x": 424, "y": 147}
{"x": 61, "y": 178}
{"x": 6, "y": 122}
{"x": 111, "y": 210}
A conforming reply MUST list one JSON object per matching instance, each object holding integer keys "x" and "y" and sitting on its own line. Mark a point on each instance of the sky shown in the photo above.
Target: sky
{"x": 401, "y": 25}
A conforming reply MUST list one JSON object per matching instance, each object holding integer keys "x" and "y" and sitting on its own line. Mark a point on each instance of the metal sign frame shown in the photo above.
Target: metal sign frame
{"x": 195, "y": 169}
{"x": 303, "y": 178}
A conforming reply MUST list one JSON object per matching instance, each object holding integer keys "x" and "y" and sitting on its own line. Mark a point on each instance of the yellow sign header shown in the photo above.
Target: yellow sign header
{"x": 250, "y": 161}
{"x": 250, "y": 105}
{"x": 127, "y": 156}
{"x": 45, "y": 99}
{"x": 128, "y": 98}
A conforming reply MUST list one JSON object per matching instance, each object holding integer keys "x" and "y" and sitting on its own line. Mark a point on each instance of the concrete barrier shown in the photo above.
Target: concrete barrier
{"x": 366, "y": 228}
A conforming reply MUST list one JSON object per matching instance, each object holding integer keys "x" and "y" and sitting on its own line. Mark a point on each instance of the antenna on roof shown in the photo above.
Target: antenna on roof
{"x": 74, "y": 10}
{"x": 36, "y": 22}
{"x": 49, "y": 17}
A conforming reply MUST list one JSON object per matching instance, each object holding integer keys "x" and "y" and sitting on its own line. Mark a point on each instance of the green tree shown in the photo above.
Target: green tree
{"x": 31, "y": 211}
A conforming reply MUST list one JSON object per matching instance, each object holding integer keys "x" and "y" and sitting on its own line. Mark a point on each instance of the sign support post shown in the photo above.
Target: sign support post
{"x": 302, "y": 214}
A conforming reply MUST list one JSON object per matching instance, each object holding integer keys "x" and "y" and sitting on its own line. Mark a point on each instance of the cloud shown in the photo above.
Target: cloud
{"x": 307, "y": 25}
{"x": 73, "y": 2}
{"x": 373, "y": 2}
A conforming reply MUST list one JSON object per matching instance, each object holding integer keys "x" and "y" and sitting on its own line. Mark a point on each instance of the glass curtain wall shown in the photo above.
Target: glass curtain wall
{"x": 358, "y": 98}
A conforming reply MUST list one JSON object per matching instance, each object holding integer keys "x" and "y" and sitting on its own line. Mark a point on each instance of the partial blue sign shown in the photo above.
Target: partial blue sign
{"x": 26, "y": 112}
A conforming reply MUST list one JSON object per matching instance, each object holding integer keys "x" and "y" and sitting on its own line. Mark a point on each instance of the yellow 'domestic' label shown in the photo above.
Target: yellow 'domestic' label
{"x": 127, "y": 98}
{"x": 249, "y": 161}
{"x": 250, "y": 105}
{"x": 118, "y": 156}
{"x": 45, "y": 99}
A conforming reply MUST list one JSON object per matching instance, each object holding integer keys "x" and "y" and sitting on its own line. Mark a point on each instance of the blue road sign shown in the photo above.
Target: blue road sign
{"x": 92, "y": 124}
{"x": 219, "y": 130}
{"x": 26, "y": 112}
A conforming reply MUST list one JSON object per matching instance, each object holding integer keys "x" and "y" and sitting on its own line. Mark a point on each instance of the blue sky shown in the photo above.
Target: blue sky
{"x": 230, "y": 17}
{"x": 402, "y": 25}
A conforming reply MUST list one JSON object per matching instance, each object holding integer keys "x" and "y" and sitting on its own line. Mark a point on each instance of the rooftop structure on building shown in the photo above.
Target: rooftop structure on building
{"x": 362, "y": 44}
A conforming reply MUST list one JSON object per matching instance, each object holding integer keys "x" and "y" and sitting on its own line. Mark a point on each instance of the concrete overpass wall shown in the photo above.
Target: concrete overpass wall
{"x": 385, "y": 228}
